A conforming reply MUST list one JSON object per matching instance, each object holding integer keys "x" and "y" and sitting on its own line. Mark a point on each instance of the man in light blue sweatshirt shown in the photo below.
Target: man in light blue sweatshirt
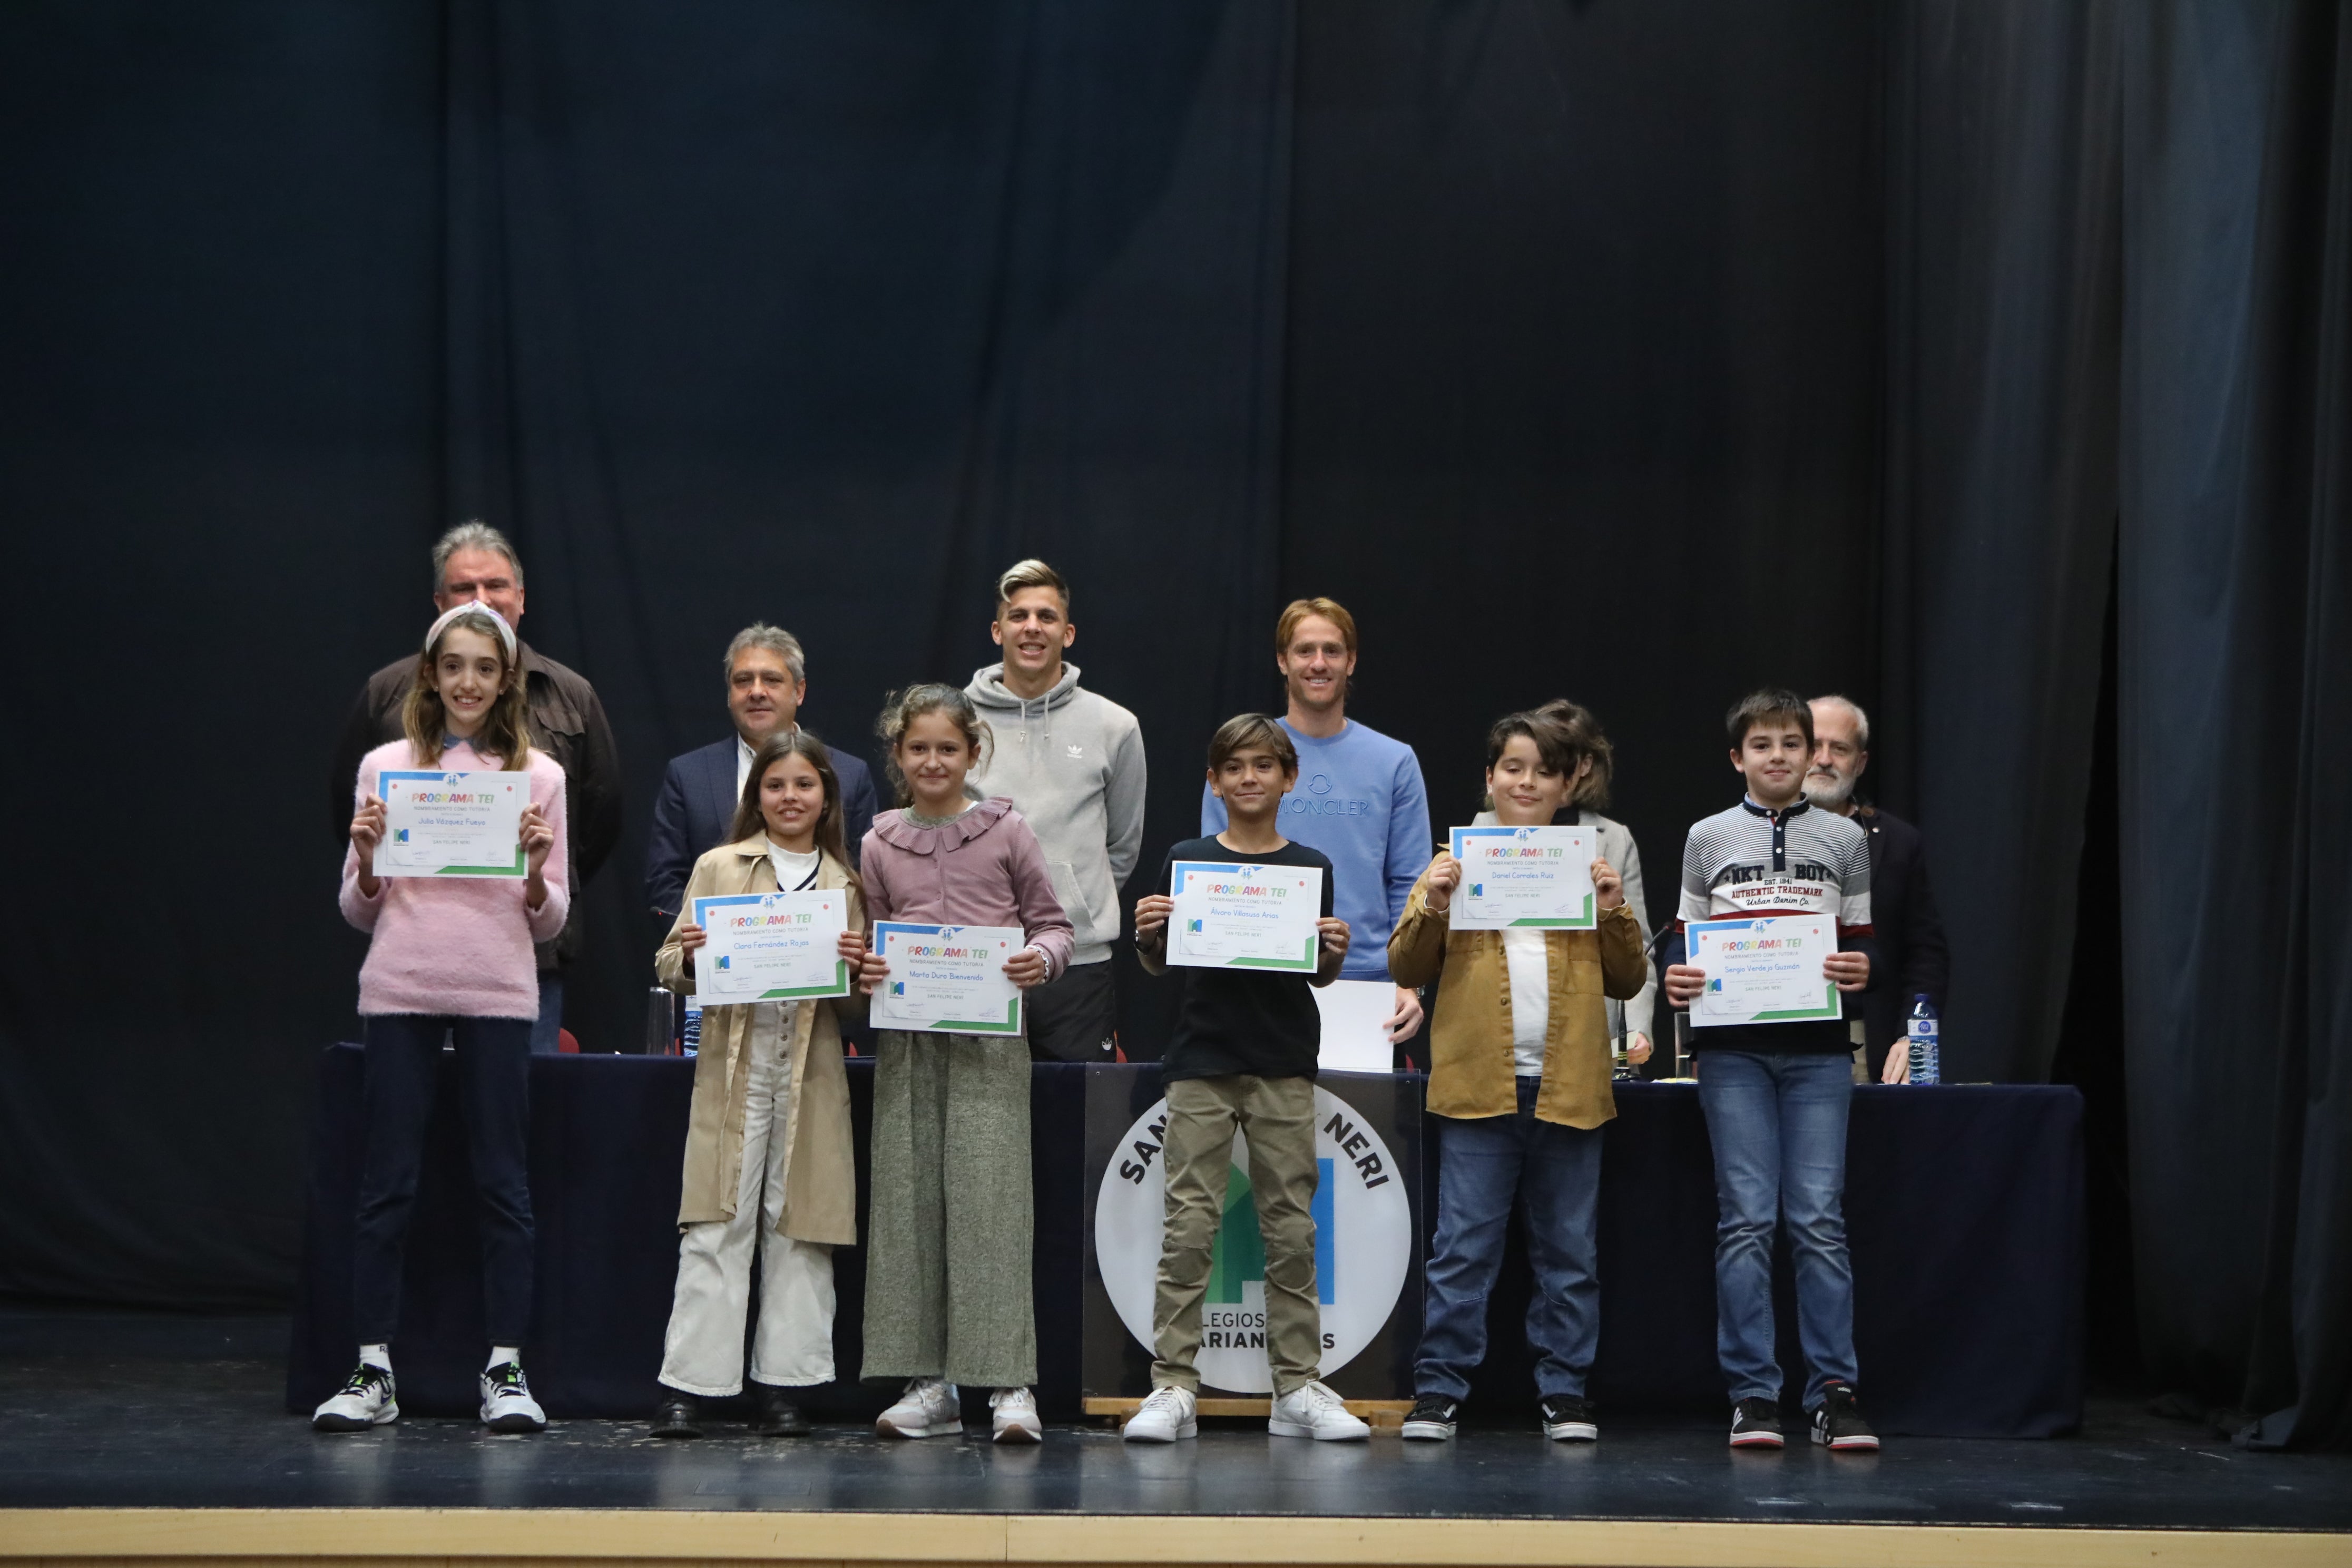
{"x": 1360, "y": 797}
{"x": 1072, "y": 762}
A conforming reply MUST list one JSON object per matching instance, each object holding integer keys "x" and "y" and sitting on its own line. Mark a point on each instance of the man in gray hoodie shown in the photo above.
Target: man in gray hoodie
{"x": 1073, "y": 764}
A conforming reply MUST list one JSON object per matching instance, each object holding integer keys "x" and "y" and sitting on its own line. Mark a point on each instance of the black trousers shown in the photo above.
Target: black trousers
{"x": 1075, "y": 1018}
{"x": 404, "y": 1058}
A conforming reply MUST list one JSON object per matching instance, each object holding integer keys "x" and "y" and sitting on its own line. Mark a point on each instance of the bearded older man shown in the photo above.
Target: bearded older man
{"x": 1911, "y": 947}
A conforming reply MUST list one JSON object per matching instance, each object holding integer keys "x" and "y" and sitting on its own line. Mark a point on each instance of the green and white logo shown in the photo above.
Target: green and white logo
{"x": 1364, "y": 1245}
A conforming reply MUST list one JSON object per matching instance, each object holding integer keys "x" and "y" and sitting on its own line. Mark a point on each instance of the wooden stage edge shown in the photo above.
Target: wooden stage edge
{"x": 456, "y": 1538}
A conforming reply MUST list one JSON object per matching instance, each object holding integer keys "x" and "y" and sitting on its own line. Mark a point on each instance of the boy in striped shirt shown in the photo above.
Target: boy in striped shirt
{"x": 1776, "y": 1095}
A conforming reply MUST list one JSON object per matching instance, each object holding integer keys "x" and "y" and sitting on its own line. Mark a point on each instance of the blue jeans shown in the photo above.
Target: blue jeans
{"x": 1777, "y": 1119}
{"x": 1486, "y": 1166}
{"x": 546, "y": 1032}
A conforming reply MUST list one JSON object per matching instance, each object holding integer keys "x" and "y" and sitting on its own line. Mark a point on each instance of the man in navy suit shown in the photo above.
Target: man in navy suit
{"x": 766, "y": 676}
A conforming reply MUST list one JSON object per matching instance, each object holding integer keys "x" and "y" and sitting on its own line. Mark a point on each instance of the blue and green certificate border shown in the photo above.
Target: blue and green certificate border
{"x": 1304, "y": 964}
{"x": 522, "y": 861}
{"x": 1833, "y": 1007}
{"x": 838, "y": 986}
{"x": 1589, "y": 920}
{"x": 1008, "y": 1024}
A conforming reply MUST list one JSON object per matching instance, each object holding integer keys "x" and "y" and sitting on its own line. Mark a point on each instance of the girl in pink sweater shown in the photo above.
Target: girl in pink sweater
{"x": 451, "y": 956}
{"x": 948, "y": 1230}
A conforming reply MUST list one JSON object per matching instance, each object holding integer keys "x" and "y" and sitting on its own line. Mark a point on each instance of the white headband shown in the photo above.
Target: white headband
{"x": 473, "y": 607}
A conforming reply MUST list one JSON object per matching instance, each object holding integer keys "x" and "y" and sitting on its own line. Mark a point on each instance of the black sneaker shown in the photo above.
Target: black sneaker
{"x": 1567, "y": 1419}
{"x": 1431, "y": 1420}
{"x": 1837, "y": 1426}
{"x": 1756, "y": 1424}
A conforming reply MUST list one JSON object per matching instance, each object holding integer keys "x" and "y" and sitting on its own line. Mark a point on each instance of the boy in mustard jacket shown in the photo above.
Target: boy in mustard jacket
{"x": 1518, "y": 1077}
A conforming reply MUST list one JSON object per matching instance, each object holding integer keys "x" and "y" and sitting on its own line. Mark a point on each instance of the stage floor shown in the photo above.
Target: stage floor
{"x": 125, "y": 1410}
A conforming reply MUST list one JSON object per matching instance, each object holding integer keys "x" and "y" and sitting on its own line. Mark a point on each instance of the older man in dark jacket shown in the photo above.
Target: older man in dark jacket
{"x": 475, "y": 560}
{"x": 1910, "y": 931}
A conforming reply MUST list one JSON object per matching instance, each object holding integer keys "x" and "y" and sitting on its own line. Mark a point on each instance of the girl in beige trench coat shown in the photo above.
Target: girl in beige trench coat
{"x": 768, "y": 1157}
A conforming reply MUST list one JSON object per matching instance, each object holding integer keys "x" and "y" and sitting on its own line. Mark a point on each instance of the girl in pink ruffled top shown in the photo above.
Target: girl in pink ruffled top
{"x": 948, "y": 1237}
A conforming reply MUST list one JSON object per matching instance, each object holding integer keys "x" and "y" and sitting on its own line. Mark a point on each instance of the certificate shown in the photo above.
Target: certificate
{"x": 1516, "y": 878}
{"x": 772, "y": 947}
{"x": 451, "y": 825}
{"x": 1762, "y": 970}
{"x": 947, "y": 979}
{"x": 1234, "y": 915}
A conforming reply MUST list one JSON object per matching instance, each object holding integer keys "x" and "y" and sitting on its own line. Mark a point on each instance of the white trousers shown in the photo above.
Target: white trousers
{"x": 703, "y": 1352}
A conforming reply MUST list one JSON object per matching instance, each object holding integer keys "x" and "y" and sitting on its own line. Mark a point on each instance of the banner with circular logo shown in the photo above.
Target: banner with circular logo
{"x": 1364, "y": 1245}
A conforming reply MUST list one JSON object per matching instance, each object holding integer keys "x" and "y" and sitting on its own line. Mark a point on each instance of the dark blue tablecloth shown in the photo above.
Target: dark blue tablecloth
{"x": 1964, "y": 1208}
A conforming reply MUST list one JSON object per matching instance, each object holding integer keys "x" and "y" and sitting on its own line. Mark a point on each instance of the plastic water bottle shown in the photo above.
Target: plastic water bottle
{"x": 689, "y": 1038}
{"x": 1927, "y": 1057}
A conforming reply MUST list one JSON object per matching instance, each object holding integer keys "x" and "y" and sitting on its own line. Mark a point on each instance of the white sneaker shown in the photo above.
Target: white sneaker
{"x": 1016, "y": 1416}
{"x": 1313, "y": 1411}
{"x": 928, "y": 1409}
{"x": 1170, "y": 1413}
{"x": 366, "y": 1400}
{"x": 507, "y": 1404}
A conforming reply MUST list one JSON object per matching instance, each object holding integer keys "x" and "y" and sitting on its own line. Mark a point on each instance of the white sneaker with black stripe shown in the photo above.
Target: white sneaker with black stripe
{"x": 507, "y": 1404}
{"x": 366, "y": 1400}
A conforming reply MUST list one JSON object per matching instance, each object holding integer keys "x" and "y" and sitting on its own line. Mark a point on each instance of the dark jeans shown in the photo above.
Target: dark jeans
{"x": 1486, "y": 1166}
{"x": 1776, "y": 1122}
{"x": 1075, "y": 1018}
{"x": 404, "y": 1058}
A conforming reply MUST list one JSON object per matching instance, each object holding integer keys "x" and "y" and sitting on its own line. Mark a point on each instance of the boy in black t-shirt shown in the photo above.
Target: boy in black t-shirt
{"x": 1242, "y": 1055}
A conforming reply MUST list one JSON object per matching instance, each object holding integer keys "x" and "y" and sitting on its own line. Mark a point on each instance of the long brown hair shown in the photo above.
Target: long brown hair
{"x": 751, "y": 820}
{"x": 506, "y": 729}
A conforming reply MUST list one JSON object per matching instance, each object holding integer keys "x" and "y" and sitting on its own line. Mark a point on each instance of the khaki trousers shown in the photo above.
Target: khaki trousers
{"x": 1277, "y": 1115}
{"x": 703, "y": 1352}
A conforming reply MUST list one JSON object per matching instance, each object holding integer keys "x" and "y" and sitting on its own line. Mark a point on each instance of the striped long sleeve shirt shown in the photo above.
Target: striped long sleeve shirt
{"x": 1747, "y": 861}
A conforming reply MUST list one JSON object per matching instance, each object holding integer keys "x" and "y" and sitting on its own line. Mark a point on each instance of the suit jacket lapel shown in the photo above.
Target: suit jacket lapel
{"x": 721, "y": 783}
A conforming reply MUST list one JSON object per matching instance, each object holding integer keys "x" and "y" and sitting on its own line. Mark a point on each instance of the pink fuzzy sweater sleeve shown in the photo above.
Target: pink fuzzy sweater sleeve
{"x": 549, "y": 792}
{"x": 362, "y": 911}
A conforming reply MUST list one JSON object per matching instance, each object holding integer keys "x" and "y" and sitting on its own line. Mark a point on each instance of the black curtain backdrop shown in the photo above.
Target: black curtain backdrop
{"x": 1639, "y": 352}
{"x": 2234, "y": 717}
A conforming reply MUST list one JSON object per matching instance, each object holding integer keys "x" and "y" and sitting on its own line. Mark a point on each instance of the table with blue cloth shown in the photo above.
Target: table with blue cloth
{"x": 1964, "y": 1212}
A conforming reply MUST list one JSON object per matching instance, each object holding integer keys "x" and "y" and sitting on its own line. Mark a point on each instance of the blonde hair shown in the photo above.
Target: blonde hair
{"x": 1298, "y": 610}
{"x": 1030, "y": 574}
{"x": 506, "y": 729}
